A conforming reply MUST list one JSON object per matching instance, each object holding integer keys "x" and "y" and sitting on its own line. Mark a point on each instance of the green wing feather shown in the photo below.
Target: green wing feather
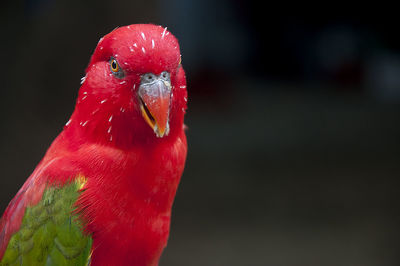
{"x": 50, "y": 233}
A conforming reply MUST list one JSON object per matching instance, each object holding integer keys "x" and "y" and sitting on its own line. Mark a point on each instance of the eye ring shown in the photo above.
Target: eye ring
{"x": 116, "y": 70}
{"x": 114, "y": 65}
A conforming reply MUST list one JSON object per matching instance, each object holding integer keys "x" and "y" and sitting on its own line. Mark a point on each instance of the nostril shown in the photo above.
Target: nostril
{"x": 149, "y": 77}
{"x": 165, "y": 75}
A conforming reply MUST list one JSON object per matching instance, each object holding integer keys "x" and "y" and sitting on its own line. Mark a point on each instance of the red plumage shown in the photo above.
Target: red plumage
{"x": 132, "y": 173}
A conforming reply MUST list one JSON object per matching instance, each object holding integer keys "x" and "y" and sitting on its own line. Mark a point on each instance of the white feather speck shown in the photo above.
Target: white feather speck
{"x": 182, "y": 87}
{"x": 122, "y": 82}
{"x": 143, "y": 50}
{"x": 152, "y": 43}
{"x": 135, "y": 45}
{"x": 111, "y": 117}
{"x": 103, "y": 101}
{"x": 143, "y": 36}
{"x": 69, "y": 121}
{"x": 84, "y": 124}
{"x": 109, "y": 130}
{"x": 163, "y": 33}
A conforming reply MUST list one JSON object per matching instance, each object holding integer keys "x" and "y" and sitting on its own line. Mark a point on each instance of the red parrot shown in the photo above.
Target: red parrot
{"x": 103, "y": 193}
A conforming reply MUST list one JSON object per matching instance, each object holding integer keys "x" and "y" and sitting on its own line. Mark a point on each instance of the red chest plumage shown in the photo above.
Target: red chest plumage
{"x": 128, "y": 198}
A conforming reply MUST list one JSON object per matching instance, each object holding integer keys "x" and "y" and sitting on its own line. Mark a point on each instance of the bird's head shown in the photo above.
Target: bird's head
{"x": 134, "y": 87}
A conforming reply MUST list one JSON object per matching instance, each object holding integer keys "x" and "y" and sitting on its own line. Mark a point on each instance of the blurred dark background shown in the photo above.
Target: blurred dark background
{"x": 293, "y": 122}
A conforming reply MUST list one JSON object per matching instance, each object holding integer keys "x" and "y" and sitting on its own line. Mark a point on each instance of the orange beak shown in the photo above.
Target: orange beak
{"x": 155, "y": 98}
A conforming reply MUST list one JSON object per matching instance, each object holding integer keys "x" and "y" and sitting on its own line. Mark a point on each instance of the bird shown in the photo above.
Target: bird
{"x": 103, "y": 192}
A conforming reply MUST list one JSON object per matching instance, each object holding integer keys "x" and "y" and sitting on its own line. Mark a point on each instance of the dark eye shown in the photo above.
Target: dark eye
{"x": 114, "y": 66}
{"x": 115, "y": 69}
